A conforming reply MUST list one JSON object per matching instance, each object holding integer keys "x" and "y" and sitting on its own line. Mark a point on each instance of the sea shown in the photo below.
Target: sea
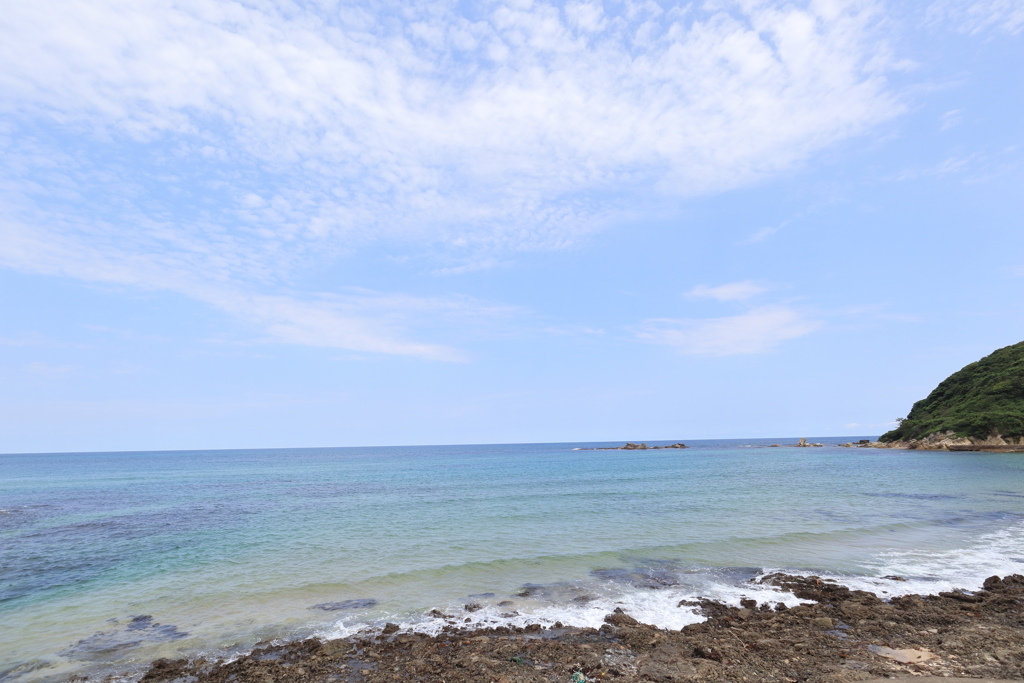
{"x": 110, "y": 560}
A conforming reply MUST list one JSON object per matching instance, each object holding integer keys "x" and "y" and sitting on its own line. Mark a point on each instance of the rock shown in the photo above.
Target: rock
{"x": 821, "y": 622}
{"x": 332, "y": 648}
{"x": 671, "y": 664}
{"x": 802, "y": 444}
{"x": 620, "y": 619}
{"x": 390, "y": 628}
{"x": 853, "y": 610}
{"x": 473, "y": 607}
{"x": 908, "y": 656}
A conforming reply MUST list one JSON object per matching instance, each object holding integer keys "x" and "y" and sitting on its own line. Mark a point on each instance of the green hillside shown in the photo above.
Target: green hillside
{"x": 983, "y": 397}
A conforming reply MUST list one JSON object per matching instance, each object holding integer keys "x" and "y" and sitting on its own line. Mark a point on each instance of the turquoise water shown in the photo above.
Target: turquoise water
{"x": 111, "y": 559}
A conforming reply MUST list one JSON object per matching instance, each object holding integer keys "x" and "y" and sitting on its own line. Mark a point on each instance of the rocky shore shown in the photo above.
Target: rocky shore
{"x": 841, "y": 635}
{"x": 948, "y": 441}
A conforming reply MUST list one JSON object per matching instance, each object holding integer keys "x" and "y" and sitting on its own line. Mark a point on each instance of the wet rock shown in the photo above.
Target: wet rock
{"x": 620, "y": 618}
{"x": 390, "y": 628}
{"x": 333, "y": 648}
{"x": 473, "y": 607}
{"x": 165, "y": 670}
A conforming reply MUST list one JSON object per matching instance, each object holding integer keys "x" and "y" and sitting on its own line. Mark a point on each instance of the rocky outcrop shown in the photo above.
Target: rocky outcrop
{"x": 949, "y": 441}
{"x": 803, "y": 444}
{"x": 630, "y": 446}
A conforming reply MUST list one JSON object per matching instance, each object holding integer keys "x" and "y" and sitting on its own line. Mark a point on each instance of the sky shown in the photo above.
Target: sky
{"x": 270, "y": 224}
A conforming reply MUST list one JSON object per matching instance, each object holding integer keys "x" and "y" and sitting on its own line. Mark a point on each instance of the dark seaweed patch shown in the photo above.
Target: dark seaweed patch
{"x": 358, "y": 603}
{"x": 914, "y": 496}
{"x": 140, "y": 629}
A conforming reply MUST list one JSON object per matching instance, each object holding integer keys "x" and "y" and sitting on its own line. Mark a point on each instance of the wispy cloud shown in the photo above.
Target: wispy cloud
{"x": 34, "y": 340}
{"x": 950, "y": 119}
{"x": 976, "y": 16}
{"x": 978, "y": 167}
{"x": 756, "y": 331}
{"x": 733, "y": 291}
{"x": 48, "y": 369}
{"x": 215, "y": 148}
{"x": 357, "y": 319}
{"x": 760, "y": 235}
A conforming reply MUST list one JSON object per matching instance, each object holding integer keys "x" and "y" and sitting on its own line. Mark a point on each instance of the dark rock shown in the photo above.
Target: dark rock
{"x": 619, "y": 618}
{"x": 359, "y": 603}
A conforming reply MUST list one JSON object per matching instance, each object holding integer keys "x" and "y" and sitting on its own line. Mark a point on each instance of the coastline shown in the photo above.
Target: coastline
{"x": 336, "y": 543}
{"x": 837, "y": 635}
{"x": 949, "y": 441}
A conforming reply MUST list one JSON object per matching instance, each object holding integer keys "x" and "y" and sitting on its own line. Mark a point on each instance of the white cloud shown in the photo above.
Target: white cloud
{"x": 756, "y": 331}
{"x": 734, "y": 291}
{"x": 760, "y": 235}
{"x": 950, "y": 119}
{"x": 977, "y": 16}
{"x": 214, "y": 147}
{"x": 358, "y": 320}
{"x": 420, "y": 128}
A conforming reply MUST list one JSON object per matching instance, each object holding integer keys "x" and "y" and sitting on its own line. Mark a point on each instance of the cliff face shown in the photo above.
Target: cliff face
{"x": 983, "y": 402}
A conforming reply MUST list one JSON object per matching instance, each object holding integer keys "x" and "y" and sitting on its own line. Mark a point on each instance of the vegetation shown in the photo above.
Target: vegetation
{"x": 985, "y": 397}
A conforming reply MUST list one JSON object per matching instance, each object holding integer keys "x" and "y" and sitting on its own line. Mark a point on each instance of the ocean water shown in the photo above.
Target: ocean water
{"x": 109, "y": 560}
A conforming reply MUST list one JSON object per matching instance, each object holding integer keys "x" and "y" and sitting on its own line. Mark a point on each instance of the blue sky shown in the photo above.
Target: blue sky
{"x": 269, "y": 224}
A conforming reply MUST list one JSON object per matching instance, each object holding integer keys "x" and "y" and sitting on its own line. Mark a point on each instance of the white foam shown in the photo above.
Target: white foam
{"x": 659, "y": 607}
{"x": 998, "y": 553}
{"x": 925, "y": 572}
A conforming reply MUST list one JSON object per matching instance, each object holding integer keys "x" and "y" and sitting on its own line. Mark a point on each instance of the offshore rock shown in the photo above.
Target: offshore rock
{"x": 630, "y": 446}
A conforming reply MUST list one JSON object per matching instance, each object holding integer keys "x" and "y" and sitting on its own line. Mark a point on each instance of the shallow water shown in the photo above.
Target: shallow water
{"x": 113, "y": 559}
